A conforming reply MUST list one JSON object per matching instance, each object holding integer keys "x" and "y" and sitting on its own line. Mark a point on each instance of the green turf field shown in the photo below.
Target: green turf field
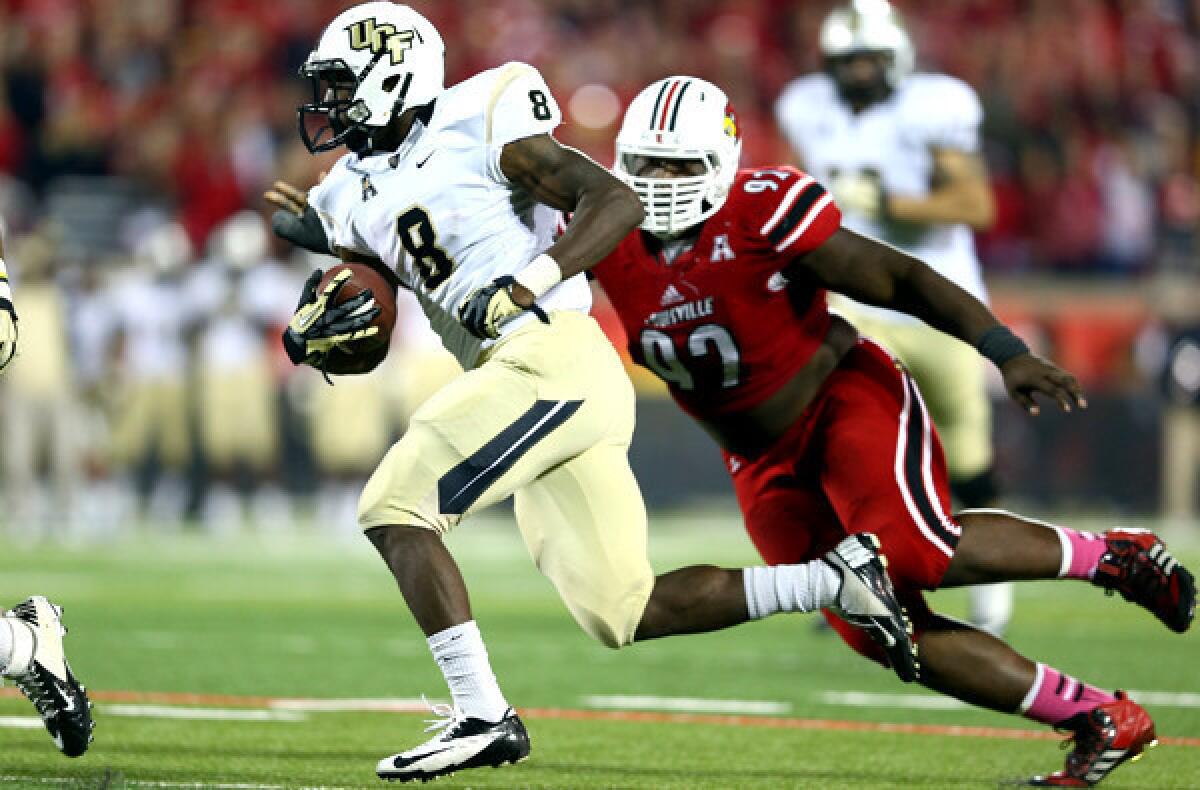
{"x": 239, "y": 623}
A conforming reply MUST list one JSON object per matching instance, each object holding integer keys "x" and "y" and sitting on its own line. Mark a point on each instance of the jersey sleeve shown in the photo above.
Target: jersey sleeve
{"x": 788, "y": 210}
{"x": 332, "y": 200}
{"x": 950, "y": 114}
{"x": 519, "y": 105}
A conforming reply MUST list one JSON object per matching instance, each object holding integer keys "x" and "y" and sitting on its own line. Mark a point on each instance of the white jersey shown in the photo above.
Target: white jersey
{"x": 440, "y": 211}
{"x": 893, "y": 141}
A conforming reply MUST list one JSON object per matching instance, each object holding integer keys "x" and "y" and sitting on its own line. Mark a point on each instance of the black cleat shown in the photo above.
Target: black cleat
{"x": 48, "y": 683}
{"x": 866, "y": 600}
{"x": 465, "y": 742}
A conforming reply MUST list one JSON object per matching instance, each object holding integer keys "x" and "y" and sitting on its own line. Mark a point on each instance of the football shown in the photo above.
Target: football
{"x": 362, "y": 278}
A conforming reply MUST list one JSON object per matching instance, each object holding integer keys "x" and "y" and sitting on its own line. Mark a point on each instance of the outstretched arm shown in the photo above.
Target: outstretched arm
{"x": 878, "y": 274}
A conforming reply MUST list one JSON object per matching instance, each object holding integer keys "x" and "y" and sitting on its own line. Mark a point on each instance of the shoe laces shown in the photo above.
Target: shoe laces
{"x": 446, "y": 715}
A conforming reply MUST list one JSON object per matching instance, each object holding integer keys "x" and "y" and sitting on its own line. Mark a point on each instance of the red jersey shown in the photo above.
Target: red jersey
{"x": 720, "y": 324}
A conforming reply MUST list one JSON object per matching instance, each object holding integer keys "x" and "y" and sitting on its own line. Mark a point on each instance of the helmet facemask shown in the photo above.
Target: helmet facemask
{"x": 687, "y": 120}
{"x": 335, "y": 117}
{"x": 848, "y": 72}
{"x": 673, "y": 204}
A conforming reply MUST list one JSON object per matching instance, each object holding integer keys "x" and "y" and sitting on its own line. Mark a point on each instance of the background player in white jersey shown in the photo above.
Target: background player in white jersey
{"x": 31, "y": 648}
{"x": 453, "y": 192}
{"x": 900, "y": 152}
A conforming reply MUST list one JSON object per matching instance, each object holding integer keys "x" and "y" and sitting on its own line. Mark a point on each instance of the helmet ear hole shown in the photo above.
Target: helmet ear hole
{"x": 390, "y": 83}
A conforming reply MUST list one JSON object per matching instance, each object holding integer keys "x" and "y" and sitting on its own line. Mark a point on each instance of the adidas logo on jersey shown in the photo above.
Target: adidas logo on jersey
{"x": 670, "y": 296}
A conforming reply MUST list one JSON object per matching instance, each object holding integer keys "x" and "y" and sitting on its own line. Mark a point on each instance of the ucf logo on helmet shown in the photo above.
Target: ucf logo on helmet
{"x": 367, "y": 34}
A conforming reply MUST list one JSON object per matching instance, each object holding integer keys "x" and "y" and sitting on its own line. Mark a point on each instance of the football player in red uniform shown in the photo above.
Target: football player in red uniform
{"x": 722, "y": 295}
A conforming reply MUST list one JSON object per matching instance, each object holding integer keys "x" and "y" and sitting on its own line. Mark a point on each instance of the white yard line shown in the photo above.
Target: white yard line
{"x": 686, "y": 704}
{"x": 342, "y": 705}
{"x": 21, "y": 722}
{"x": 1167, "y": 699}
{"x": 202, "y": 714}
{"x": 78, "y": 782}
{"x": 870, "y": 699}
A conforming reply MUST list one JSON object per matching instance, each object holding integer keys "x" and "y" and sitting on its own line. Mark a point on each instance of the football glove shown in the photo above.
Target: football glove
{"x": 319, "y": 325}
{"x": 8, "y": 332}
{"x": 304, "y": 230}
{"x": 489, "y": 308}
{"x": 861, "y": 194}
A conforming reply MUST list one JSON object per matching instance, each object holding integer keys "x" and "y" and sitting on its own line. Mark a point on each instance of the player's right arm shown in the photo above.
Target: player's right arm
{"x": 8, "y": 316}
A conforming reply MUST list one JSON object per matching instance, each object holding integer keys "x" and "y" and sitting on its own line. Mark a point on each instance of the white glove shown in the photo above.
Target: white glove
{"x": 860, "y": 194}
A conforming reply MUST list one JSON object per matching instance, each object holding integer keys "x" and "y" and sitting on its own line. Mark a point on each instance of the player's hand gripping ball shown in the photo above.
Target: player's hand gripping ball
{"x": 344, "y": 321}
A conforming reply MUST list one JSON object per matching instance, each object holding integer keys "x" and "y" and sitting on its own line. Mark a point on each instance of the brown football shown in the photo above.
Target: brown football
{"x": 364, "y": 277}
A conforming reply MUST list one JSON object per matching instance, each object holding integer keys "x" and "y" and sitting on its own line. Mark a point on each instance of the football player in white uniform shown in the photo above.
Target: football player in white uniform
{"x": 31, "y": 648}
{"x": 454, "y": 193}
{"x": 900, "y": 152}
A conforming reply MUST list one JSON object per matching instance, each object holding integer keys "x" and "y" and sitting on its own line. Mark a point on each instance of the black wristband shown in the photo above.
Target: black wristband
{"x": 1000, "y": 345}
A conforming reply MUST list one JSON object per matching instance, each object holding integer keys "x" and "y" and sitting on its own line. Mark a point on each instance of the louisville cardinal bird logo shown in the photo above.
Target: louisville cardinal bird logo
{"x": 731, "y": 124}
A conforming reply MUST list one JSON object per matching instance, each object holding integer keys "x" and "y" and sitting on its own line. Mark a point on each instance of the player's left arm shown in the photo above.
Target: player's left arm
{"x": 960, "y": 194}
{"x": 603, "y": 210}
{"x": 878, "y": 274}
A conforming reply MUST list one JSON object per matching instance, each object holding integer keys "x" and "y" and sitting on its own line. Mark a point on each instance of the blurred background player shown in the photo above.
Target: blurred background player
{"x": 239, "y": 297}
{"x": 901, "y": 154}
{"x": 31, "y": 649}
{"x": 152, "y": 439}
{"x": 42, "y": 414}
{"x": 722, "y": 294}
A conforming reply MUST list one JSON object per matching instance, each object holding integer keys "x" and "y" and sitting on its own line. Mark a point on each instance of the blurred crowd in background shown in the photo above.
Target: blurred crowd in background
{"x": 136, "y": 138}
{"x": 1091, "y": 105}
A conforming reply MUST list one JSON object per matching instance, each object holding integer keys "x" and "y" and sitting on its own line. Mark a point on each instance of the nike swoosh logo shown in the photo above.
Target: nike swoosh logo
{"x": 426, "y": 159}
{"x": 403, "y": 762}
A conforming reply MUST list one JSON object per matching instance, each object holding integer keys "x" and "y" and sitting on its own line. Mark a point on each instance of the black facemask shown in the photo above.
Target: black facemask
{"x": 334, "y": 117}
{"x": 861, "y": 77}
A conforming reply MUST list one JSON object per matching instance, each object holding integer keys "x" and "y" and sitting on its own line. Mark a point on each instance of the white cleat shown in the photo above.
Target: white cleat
{"x": 41, "y": 672}
{"x": 465, "y": 742}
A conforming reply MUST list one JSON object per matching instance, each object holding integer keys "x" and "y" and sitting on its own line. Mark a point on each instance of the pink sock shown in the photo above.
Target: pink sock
{"x": 1055, "y": 697}
{"x": 1081, "y": 553}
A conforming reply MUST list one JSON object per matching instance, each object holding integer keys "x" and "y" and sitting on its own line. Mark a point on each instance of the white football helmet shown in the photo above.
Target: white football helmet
{"x": 373, "y": 61}
{"x": 869, "y": 26}
{"x": 679, "y": 118}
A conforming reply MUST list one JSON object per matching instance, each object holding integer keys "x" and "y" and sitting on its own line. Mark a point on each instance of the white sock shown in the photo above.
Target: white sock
{"x": 790, "y": 588}
{"x": 461, "y": 654}
{"x": 17, "y": 645}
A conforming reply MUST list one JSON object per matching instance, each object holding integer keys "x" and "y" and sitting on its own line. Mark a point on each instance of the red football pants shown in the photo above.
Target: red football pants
{"x": 864, "y": 457}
